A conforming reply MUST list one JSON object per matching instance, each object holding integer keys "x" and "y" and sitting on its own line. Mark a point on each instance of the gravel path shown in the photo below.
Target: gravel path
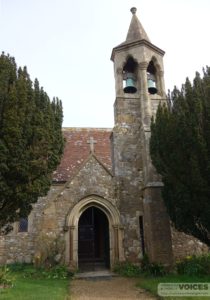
{"x": 116, "y": 288}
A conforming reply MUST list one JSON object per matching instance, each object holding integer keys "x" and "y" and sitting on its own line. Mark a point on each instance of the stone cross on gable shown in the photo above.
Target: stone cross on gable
{"x": 91, "y": 141}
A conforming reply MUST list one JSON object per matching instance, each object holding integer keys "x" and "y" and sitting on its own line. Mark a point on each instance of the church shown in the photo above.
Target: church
{"x": 105, "y": 205}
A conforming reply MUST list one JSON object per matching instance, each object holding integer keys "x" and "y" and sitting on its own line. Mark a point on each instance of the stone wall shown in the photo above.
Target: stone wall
{"x": 3, "y": 253}
{"x": 157, "y": 227}
{"x": 127, "y": 165}
{"x": 184, "y": 245}
{"x": 50, "y": 213}
{"x": 18, "y": 248}
{"x": 123, "y": 192}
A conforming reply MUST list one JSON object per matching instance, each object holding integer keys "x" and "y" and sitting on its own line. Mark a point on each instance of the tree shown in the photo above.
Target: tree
{"x": 31, "y": 141}
{"x": 180, "y": 151}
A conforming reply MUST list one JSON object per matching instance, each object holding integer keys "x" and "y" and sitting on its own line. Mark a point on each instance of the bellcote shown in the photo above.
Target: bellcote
{"x": 138, "y": 64}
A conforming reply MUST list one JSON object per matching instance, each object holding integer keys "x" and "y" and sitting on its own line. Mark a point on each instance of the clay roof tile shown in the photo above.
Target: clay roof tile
{"x": 78, "y": 147}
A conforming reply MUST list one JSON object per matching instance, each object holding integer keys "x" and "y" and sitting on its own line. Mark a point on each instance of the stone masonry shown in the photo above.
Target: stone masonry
{"x": 109, "y": 170}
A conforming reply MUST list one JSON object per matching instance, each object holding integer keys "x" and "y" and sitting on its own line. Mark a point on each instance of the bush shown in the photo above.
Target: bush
{"x": 130, "y": 270}
{"x": 154, "y": 269}
{"x": 127, "y": 269}
{"x": 6, "y": 279}
{"x": 194, "y": 265}
{"x": 57, "y": 272}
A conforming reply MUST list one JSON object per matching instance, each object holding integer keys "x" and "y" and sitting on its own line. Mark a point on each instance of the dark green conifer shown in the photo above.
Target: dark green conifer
{"x": 31, "y": 141}
{"x": 180, "y": 151}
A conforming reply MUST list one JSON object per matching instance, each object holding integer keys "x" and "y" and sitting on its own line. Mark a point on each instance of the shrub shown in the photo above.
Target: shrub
{"x": 57, "y": 272}
{"x": 156, "y": 269}
{"x": 6, "y": 279}
{"x": 152, "y": 268}
{"x": 127, "y": 269}
{"x": 194, "y": 265}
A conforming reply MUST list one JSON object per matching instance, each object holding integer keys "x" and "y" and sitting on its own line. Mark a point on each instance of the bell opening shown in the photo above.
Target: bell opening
{"x": 151, "y": 78}
{"x": 129, "y": 76}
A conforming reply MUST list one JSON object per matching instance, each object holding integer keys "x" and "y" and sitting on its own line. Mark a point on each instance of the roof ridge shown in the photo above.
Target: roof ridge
{"x": 108, "y": 129}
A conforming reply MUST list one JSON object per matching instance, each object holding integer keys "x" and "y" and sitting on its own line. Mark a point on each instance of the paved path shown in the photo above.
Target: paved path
{"x": 113, "y": 288}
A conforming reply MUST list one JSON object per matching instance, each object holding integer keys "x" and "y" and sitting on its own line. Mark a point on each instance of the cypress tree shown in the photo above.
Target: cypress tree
{"x": 180, "y": 151}
{"x": 31, "y": 141}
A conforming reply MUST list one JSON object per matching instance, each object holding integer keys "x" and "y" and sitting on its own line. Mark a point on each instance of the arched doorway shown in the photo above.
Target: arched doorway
{"x": 115, "y": 230}
{"x": 93, "y": 240}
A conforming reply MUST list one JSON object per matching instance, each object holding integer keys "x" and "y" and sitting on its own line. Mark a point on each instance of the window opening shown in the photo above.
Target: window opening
{"x": 151, "y": 78}
{"x": 23, "y": 225}
{"x": 129, "y": 76}
{"x": 141, "y": 228}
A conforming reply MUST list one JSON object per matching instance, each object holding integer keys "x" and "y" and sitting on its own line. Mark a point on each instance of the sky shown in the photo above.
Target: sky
{"x": 67, "y": 45}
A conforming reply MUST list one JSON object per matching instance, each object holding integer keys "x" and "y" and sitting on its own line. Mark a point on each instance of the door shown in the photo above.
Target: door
{"x": 93, "y": 240}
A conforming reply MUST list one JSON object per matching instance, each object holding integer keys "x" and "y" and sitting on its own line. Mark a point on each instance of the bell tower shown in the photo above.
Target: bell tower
{"x": 139, "y": 86}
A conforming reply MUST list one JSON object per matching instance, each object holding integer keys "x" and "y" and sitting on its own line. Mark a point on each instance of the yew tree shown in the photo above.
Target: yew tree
{"x": 31, "y": 142}
{"x": 180, "y": 151}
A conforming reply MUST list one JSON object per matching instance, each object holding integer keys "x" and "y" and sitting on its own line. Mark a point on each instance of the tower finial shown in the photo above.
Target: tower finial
{"x": 133, "y": 10}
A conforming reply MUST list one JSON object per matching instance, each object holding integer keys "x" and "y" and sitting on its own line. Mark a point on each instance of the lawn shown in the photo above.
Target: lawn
{"x": 36, "y": 288}
{"x": 151, "y": 283}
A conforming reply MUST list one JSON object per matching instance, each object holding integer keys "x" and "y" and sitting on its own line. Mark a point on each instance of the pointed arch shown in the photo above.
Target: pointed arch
{"x": 153, "y": 74}
{"x": 130, "y": 67}
{"x": 115, "y": 229}
{"x": 155, "y": 62}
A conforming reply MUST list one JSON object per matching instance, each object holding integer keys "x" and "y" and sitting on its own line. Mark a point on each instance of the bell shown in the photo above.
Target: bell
{"x": 130, "y": 87}
{"x": 151, "y": 84}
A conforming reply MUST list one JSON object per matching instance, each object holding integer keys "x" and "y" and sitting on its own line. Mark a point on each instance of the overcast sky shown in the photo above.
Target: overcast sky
{"x": 67, "y": 44}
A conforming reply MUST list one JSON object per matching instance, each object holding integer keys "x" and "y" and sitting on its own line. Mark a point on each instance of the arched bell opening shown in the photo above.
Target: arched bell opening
{"x": 93, "y": 240}
{"x": 129, "y": 76}
{"x": 152, "y": 78}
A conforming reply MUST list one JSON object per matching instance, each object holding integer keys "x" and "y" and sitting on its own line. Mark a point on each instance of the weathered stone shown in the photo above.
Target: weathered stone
{"x": 184, "y": 245}
{"x": 111, "y": 171}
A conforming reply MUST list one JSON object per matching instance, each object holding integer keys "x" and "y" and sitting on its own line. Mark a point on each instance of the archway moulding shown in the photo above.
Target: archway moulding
{"x": 105, "y": 205}
{"x": 115, "y": 229}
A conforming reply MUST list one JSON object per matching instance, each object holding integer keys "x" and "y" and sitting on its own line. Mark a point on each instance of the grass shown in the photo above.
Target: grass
{"x": 151, "y": 283}
{"x": 35, "y": 289}
{"x": 191, "y": 269}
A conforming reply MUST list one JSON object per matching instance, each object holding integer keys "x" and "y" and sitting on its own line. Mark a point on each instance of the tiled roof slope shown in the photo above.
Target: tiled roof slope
{"x": 77, "y": 150}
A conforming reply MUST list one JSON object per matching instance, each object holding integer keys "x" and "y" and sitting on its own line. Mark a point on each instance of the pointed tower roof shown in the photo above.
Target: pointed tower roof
{"x": 136, "y": 30}
{"x": 136, "y": 36}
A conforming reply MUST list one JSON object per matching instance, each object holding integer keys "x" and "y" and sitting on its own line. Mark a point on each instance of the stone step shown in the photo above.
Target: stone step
{"x": 95, "y": 275}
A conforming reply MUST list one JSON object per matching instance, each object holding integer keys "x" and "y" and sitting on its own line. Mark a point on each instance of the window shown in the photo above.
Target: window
{"x": 141, "y": 227}
{"x": 23, "y": 225}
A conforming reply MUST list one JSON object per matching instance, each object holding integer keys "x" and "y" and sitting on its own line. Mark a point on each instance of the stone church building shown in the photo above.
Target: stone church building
{"x": 105, "y": 200}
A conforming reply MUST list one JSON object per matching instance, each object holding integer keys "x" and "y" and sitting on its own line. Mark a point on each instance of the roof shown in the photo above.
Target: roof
{"x": 78, "y": 148}
{"x": 136, "y": 30}
{"x": 136, "y": 36}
